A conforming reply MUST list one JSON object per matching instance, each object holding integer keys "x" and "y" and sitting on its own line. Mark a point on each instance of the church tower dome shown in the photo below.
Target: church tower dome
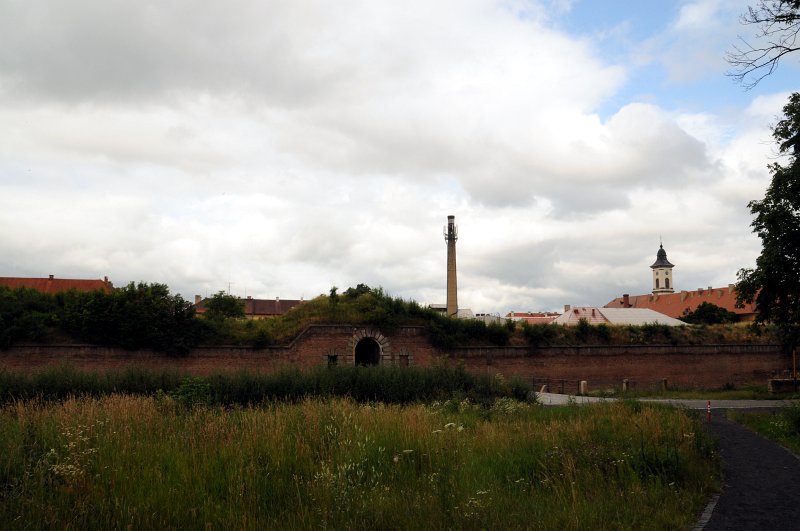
{"x": 662, "y": 273}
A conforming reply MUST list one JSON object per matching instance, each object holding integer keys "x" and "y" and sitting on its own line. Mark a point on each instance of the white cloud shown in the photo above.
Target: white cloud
{"x": 289, "y": 146}
{"x": 695, "y": 16}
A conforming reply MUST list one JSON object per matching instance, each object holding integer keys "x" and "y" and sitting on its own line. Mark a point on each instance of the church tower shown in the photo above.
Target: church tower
{"x": 662, "y": 273}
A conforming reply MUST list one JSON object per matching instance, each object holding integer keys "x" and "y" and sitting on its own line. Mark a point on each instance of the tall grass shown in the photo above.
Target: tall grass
{"x": 147, "y": 462}
{"x": 390, "y": 384}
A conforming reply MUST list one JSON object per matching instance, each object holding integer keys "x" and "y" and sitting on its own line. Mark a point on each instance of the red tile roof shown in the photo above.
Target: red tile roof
{"x": 259, "y": 307}
{"x": 674, "y": 304}
{"x": 57, "y": 285}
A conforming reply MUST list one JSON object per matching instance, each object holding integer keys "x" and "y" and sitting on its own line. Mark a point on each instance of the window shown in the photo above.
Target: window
{"x": 333, "y": 359}
{"x": 666, "y": 283}
{"x": 657, "y": 286}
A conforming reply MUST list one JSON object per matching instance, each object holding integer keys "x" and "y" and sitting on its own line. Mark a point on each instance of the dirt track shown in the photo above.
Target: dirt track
{"x": 761, "y": 481}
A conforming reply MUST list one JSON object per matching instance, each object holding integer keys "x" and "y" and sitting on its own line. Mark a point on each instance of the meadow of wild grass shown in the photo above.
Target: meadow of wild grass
{"x": 145, "y": 462}
{"x": 390, "y": 384}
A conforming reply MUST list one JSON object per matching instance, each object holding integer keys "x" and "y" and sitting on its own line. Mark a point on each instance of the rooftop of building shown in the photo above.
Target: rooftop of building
{"x": 675, "y": 304}
{"x": 661, "y": 258}
{"x": 615, "y": 316}
{"x": 257, "y": 307}
{"x": 53, "y": 285}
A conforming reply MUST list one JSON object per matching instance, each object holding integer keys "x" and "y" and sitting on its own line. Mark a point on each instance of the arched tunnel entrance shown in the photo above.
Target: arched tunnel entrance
{"x": 368, "y": 352}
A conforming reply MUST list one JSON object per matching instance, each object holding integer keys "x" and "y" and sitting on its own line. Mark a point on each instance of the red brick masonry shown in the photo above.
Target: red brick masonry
{"x": 690, "y": 366}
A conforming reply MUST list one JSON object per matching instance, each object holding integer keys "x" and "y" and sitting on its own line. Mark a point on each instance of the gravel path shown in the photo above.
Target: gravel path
{"x": 761, "y": 481}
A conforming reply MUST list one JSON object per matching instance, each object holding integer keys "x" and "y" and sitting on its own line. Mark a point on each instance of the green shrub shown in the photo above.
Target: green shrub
{"x": 540, "y": 334}
{"x": 656, "y": 333}
{"x": 192, "y": 392}
{"x": 498, "y": 334}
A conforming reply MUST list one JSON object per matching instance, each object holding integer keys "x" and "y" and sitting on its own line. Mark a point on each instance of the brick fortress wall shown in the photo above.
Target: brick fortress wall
{"x": 692, "y": 366}
{"x": 683, "y": 366}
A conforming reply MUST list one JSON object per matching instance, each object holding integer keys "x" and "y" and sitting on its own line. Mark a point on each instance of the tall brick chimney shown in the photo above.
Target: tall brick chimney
{"x": 450, "y": 236}
{"x": 626, "y": 300}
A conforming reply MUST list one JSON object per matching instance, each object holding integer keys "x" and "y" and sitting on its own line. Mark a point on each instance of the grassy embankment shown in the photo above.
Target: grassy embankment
{"x": 146, "y": 462}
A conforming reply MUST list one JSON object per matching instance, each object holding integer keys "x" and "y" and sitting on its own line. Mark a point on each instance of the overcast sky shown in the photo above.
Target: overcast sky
{"x": 279, "y": 148}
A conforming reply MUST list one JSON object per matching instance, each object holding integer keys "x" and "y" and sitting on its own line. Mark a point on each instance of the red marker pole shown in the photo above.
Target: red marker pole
{"x": 709, "y": 411}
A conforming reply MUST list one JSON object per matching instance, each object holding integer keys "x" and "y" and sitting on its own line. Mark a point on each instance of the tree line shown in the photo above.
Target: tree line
{"x": 137, "y": 316}
{"x": 148, "y": 316}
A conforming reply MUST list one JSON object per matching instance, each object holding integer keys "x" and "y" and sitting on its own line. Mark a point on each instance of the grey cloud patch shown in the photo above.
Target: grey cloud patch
{"x": 116, "y": 50}
{"x": 529, "y": 265}
{"x": 593, "y": 169}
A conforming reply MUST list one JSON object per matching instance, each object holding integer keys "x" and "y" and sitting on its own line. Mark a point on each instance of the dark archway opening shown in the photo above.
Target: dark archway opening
{"x": 368, "y": 352}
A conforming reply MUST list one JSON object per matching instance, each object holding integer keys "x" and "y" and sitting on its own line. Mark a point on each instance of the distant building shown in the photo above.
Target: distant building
{"x": 255, "y": 308}
{"x": 664, "y": 299}
{"x": 533, "y": 317}
{"x": 461, "y": 313}
{"x": 465, "y": 313}
{"x": 614, "y": 316}
{"x": 52, "y": 285}
{"x": 675, "y": 304}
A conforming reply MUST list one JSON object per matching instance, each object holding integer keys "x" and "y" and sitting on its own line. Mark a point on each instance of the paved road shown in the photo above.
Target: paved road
{"x": 761, "y": 480}
{"x": 553, "y": 399}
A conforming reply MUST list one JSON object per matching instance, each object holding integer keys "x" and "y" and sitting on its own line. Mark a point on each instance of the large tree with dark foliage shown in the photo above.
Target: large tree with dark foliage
{"x": 25, "y": 315}
{"x": 138, "y": 316}
{"x": 774, "y": 284}
{"x": 708, "y": 313}
{"x": 222, "y": 305}
{"x": 778, "y": 23}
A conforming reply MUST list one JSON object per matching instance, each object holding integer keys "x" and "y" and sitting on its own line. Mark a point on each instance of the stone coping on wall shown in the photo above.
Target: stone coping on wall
{"x": 465, "y": 352}
{"x": 613, "y": 350}
{"x": 308, "y": 330}
{"x": 457, "y": 352}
